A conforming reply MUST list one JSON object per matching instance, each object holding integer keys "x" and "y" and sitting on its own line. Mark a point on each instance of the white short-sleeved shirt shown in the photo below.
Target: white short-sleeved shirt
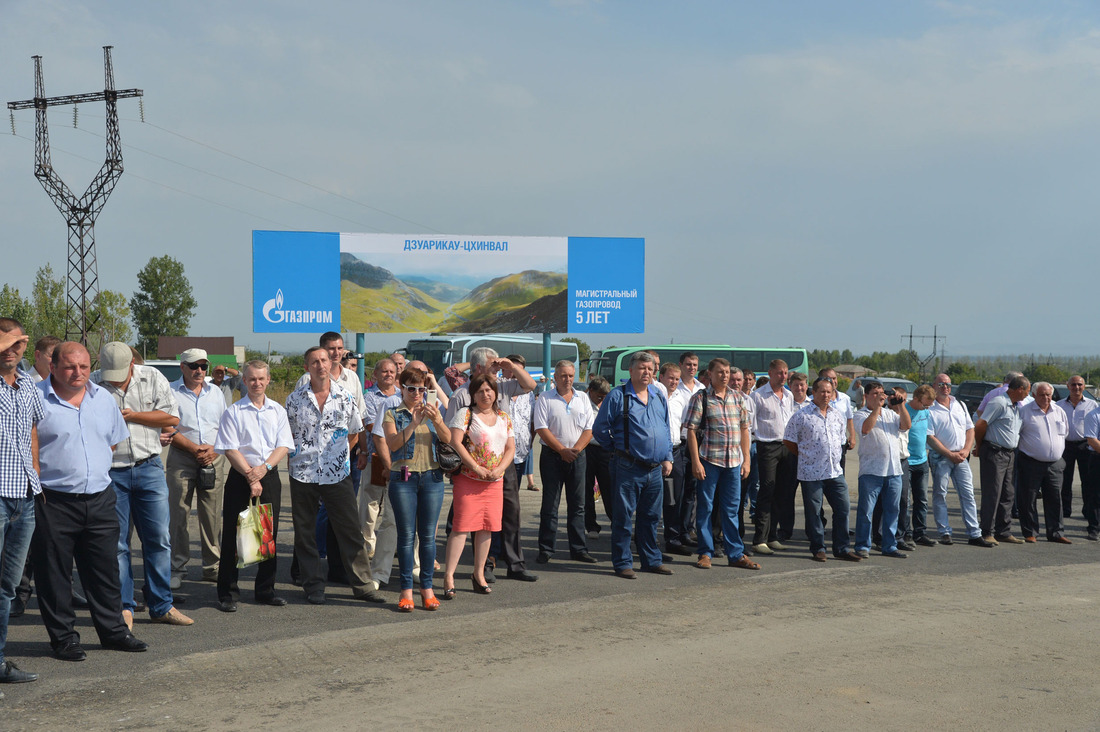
{"x": 1043, "y": 434}
{"x": 254, "y": 431}
{"x": 771, "y": 412}
{"x": 566, "y": 420}
{"x": 950, "y": 424}
{"x": 1076, "y": 416}
{"x": 879, "y": 449}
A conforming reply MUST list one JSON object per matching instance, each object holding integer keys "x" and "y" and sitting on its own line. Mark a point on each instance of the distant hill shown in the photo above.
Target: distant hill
{"x": 441, "y": 291}
{"x": 510, "y": 291}
{"x": 366, "y": 275}
{"x": 545, "y": 315}
{"x": 373, "y": 300}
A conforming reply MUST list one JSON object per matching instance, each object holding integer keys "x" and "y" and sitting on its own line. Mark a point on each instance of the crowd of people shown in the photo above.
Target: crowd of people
{"x": 673, "y": 449}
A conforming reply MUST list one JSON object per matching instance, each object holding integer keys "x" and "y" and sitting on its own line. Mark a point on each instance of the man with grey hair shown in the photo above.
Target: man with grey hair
{"x": 1043, "y": 429}
{"x": 486, "y": 360}
{"x": 995, "y": 392}
{"x": 996, "y": 435}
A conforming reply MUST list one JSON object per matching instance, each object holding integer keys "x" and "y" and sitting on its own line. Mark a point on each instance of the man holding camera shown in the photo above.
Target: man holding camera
{"x": 880, "y": 422}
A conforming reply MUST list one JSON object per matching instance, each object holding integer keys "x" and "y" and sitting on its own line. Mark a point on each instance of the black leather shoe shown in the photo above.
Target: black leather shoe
{"x": 981, "y": 541}
{"x": 273, "y": 601}
{"x": 127, "y": 643}
{"x": 10, "y": 674}
{"x": 584, "y": 557}
{"x": 71, "y": 651}
{"x": 895, "y": 555}
{"x": 679, "y": 549}
{"x": 370, "y": 596}
{"x": 490, "y": 578}
{"x": 522, "y": 575}
{"x": 227, "y": 606}
{"x": 542, "y": 558}
{"x": 18, "y": 607}
{"x": 316, "y": 598}
{"x": 925, "y": 541}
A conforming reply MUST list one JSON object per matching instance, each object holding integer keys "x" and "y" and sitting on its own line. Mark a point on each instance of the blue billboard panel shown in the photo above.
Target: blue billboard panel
{"x": 606, "y": 285}
{"x": 295, "y": 282}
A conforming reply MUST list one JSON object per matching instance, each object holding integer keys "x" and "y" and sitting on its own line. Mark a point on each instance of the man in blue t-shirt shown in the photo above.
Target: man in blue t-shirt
{"x": 918, "y": 462}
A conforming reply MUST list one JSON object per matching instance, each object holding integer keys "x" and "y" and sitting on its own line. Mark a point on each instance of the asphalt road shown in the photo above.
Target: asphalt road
{"x": 953, "y": 637}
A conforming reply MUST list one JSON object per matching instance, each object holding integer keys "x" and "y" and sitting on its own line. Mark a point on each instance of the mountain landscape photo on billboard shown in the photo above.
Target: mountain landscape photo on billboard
{"x": 375, "y": 300}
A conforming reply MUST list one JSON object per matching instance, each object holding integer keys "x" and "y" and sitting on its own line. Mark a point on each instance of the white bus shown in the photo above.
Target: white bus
{"x": 440, "y": 350}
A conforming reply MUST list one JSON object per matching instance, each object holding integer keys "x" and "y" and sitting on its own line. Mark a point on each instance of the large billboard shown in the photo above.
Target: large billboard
{"x": 308, "y": 282}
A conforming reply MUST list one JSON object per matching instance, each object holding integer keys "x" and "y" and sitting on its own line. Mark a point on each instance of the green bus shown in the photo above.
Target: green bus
{"x": 614, "y": 363}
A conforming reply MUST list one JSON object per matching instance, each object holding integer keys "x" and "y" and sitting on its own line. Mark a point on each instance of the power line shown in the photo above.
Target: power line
{"x": 286, "y": 175}
{"x": 281, "y": 225}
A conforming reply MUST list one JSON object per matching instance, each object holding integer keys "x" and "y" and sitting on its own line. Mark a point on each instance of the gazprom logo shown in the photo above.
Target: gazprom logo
{"x": 274, "y": 313}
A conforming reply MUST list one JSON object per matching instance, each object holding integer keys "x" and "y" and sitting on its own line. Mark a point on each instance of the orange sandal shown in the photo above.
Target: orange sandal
{"x": 430, "y": 603}
{"x": 405, "y": 605}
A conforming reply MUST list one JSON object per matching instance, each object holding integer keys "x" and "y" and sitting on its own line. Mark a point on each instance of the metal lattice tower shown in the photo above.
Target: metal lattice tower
{"x": 80, "y": 213}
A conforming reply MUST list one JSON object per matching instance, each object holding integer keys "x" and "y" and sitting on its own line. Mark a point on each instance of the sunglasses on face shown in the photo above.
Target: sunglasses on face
{"x": 196, "y": 366}
{"x": 416, "y": 389}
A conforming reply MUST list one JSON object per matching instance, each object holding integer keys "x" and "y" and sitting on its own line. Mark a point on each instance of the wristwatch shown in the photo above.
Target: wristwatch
{"x": 269, "y": 468}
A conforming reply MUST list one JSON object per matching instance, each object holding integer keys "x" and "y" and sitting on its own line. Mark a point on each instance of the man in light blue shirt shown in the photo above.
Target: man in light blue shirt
{"x": 75, "y": 513}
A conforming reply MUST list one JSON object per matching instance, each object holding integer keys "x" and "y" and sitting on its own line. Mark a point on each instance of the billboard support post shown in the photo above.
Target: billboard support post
{"x": 360, "y": 344}
{"x": 546, "y": 359}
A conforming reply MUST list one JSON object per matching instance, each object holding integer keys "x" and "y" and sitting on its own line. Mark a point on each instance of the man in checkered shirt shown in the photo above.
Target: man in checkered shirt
{"x": 20, "y": 408}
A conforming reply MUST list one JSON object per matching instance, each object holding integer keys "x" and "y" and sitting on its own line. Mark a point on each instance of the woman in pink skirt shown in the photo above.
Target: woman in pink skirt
{"x": 482, "y": 435}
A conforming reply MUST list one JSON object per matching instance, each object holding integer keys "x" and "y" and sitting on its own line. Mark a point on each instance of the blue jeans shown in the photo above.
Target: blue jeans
{"x": 635, "y": 487}
{"x": 960, "y": 475}
{"x": 141, "y": 493}
{"x": 16, "y": 528}
{"x": 835, "y": 490}
{"x": 416, "y": 503}
{"x": 725, "y": 485}
{"x": 870, "y": 486}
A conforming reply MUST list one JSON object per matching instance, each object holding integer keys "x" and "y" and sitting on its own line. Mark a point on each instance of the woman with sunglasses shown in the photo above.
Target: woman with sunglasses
{"x": 482, "y": 435}
{"x": 413, "y": 429}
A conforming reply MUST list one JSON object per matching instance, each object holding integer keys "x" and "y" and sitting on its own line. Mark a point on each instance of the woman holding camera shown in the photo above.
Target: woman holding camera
{"x": 413, "y": 430}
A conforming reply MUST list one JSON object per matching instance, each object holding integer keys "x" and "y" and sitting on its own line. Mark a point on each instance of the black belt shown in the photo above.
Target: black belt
{"x": 635, "y": 461}
{"x": 998, "y": 448}
{"x": 1076, "y": 442}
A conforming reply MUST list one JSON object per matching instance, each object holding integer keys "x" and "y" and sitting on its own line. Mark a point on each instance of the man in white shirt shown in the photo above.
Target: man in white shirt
{"x": 951, "y": 437}
{"x": 1077, "y": 408}
{"x": 773, "y": 407}
{"x": 1043, "y": 430}
{"x": 194, "y": 469}
{"x": 254, "y": 435}
{"x": 879, "y": 427}
{"x": 674, "y": 482}
{"x": 689, "y": 367}
{"x": 563, "y": 421}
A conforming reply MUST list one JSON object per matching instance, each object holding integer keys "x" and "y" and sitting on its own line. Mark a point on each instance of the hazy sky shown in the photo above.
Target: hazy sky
{"x": 804, "y": 173}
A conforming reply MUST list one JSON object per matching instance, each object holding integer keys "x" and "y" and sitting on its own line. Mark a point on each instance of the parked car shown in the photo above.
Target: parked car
{"x": 971, "y": 393}
{"x": 855, "y": 391}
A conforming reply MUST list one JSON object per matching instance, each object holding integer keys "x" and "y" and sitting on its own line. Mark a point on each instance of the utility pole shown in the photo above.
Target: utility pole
{"x": 936, "y": 339}
{"x": 80, "y": 214}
